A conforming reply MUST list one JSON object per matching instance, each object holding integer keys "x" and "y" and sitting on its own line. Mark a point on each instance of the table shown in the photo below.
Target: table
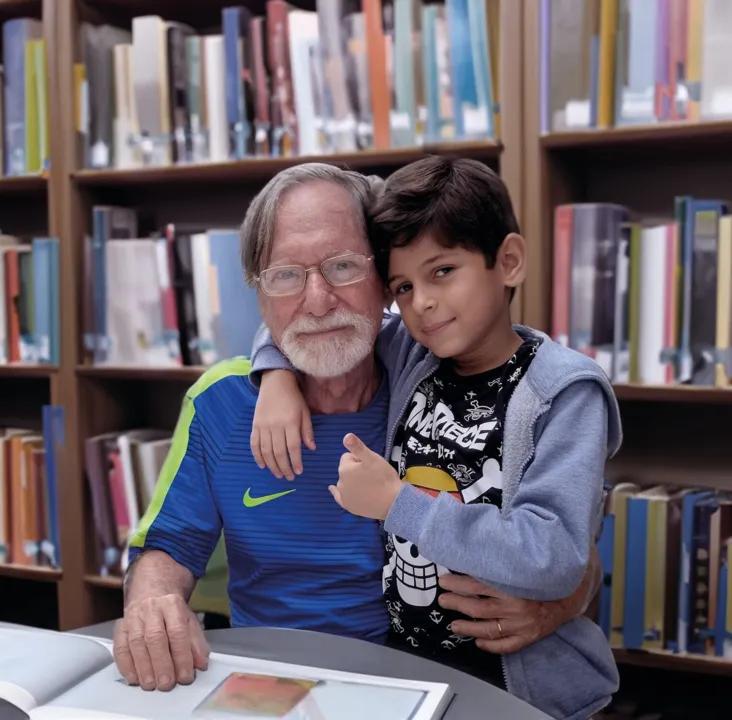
{"x": 474, "y": 699}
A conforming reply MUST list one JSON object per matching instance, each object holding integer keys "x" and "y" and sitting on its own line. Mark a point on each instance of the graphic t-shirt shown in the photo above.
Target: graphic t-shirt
{"x": 449, "y": 441}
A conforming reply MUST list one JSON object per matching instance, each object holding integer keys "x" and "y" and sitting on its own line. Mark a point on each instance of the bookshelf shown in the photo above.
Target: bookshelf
{"x": 673, "y": 434}
{"x": 58, "y": 203}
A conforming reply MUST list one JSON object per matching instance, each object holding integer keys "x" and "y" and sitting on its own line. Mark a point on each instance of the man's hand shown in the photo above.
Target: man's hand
{"x": 367, "y": 484}
{"x": 502, "y": 624}
{"x": 159, "y": 642}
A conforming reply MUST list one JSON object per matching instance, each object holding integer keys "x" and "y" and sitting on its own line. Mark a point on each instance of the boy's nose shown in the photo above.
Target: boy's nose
{"x": 422, "y": 301}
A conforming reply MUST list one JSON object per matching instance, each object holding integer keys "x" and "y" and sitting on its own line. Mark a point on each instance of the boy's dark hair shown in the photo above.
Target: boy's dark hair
{"x": 461, "y": 202}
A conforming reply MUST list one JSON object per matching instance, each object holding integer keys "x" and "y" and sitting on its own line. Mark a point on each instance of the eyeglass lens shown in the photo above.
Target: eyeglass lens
{"x": 290, "y": 279}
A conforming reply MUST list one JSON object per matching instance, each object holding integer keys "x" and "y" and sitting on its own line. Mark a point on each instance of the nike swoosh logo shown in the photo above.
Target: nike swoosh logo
{"x": 251, "y": 502}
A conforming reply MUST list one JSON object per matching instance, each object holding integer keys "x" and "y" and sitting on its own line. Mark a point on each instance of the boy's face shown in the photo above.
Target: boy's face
{"x": 450, "y": 301}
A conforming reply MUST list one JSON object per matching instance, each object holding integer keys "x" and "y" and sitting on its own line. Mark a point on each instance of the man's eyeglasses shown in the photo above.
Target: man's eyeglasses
{"x": 338, "y": 271}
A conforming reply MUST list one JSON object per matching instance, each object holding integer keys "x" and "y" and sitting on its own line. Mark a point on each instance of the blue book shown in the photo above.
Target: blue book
{"x": 53, "y": 440}
{"x": 464, "y": 93}
{"x": 15, "y": 35}
{"x": 429, "y": 73}
{"x": 44, "y": 303}
{"x": 481, "y": 64}
{"x": 635, "y": 573}
{"x": 238, "y": 319}
{"x": 235, "y": 22}
{"x": 605, "y": 549}
{"x": 687, "y": 537}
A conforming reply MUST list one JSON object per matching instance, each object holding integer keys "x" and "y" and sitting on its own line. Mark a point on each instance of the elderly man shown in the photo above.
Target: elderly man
{"x": 296, "y": 559}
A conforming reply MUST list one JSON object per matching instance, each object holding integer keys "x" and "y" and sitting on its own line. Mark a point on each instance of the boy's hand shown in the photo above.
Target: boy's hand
{"x": 281, "y": 424}
{"x": 367, "y": 484}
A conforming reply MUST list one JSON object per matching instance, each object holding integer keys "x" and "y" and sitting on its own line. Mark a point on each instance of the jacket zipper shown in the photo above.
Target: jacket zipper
{"x": 503, "y": 507}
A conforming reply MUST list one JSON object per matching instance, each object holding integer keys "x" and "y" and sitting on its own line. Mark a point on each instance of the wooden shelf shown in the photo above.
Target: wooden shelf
{"x": 108, "y": 581}
{"x": 186, "y": 373}
{"x": 26, "y": 572}
{"x": 660, "y": 134}
{"x": 27, "y": 371}
{"x": 674, "y": 394}
{"x": 679, "y": 662}
{"x": 23, "y": 183}
{"x": 13, "y": 7}
{"x": 258, "y": 169}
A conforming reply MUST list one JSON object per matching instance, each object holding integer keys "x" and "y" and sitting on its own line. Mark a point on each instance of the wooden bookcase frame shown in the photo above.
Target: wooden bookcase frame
{"x": 100, "y": 399}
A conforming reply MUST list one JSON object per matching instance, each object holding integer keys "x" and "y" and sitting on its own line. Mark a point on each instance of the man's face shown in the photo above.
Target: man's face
{"x": 324, "y": 331}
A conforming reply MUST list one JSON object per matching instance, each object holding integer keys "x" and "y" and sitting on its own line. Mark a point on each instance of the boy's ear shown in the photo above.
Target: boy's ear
{"x": 512, "y": 260}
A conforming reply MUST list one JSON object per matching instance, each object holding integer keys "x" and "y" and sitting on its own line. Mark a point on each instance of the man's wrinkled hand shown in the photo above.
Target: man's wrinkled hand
{"x": 500, "y": 624}
{"x": 159, "y": 642}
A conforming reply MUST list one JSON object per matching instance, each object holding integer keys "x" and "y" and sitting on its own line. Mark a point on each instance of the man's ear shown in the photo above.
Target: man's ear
{"x": 512, "y": 260}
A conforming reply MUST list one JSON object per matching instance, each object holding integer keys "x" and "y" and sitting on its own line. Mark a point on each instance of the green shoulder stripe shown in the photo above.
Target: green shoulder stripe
{"x": 179, "y": 445}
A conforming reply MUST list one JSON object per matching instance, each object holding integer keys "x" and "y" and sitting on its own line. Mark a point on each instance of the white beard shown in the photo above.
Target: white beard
{"x": 328, "y": 357}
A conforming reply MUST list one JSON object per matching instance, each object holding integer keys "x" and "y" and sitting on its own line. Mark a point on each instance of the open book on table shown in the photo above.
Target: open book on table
{"x": 59, "y": 676}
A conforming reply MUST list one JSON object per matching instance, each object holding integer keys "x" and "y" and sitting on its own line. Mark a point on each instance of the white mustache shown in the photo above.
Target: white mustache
{"x": 333, "y": 321}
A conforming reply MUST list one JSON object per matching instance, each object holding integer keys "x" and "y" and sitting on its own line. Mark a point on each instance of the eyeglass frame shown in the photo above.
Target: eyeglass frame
{"x": 258, "y": 281}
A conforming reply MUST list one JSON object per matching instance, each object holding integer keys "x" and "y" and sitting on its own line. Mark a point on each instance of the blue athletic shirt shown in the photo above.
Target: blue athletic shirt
{"x": 296, "y": 559}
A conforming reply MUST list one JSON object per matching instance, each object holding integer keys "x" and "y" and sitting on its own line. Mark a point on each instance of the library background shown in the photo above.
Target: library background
{"x": 134, "y": 132}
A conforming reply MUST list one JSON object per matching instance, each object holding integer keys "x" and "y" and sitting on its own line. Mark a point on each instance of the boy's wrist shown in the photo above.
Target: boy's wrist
{"x": 405, "y": 517}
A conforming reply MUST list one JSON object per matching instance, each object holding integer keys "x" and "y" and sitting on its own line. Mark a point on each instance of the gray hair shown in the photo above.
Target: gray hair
{"x": 257, "y": 230}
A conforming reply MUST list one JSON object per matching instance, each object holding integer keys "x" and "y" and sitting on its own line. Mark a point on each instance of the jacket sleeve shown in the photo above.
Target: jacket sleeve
{"x": 182, "y": 519}
{"x": 266, "y": 356}
{"x": 539, "y": 548}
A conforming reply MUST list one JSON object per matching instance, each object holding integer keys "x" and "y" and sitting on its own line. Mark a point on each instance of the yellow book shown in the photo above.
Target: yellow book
{"x": 619, "y": 508}
{"x": 656, "y": 551}
{"x": 606, "y": 74}
{"x": 694, "y": 41}
{"x": 728, "y": 552}
{"x": 80, "y": 105}
{"x": 32, "y": 150}
{"x": 42, "y": 101}
{"x": 724, "y": 299}
{"x": 493, "y": 13}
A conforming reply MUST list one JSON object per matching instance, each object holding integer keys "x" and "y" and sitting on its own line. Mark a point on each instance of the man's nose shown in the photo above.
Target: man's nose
{"x": 319, "y": 296}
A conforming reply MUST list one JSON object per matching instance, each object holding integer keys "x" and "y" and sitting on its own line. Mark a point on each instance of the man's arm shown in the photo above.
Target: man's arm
{"x": 159, "y": 641}
{"x": 503, "y": 624}
{"x": 154, "y": 574}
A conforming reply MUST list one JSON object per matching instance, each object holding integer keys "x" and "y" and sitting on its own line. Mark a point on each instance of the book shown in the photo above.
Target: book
{"x": 53, "y": 676}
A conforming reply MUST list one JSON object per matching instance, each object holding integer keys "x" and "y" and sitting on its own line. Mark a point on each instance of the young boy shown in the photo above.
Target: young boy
{"x": 497, "y": 459}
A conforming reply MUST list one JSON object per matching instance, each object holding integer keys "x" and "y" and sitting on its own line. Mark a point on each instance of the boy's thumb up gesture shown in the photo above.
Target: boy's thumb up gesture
{"x": 367, "y": 484}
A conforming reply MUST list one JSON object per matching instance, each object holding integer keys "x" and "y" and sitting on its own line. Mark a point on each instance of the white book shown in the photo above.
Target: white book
{"x": 152, "y": 457}
{"x": 150, "y": 84}
{"x": 51, "y": 675}
{"x": 716, "y": 92}
{"x": 134, "y": 305}
{"x": 126, "y": 153}
{"x": 205, "y": 295}
{"x": 213, "y": 53}
{"x": 651, "y": 368}
{"x": 130, "y": 444}
{"x": 304, "y": 36}
{"x": 4, "y": 497}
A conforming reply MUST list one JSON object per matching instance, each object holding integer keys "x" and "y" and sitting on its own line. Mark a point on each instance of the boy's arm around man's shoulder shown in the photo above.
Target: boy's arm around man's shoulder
{"x": 539, "y": 547}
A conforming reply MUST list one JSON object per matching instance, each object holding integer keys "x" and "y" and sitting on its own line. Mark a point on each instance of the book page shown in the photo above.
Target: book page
{"x": 45, "y": 664}
{"x": 239, "y": 687}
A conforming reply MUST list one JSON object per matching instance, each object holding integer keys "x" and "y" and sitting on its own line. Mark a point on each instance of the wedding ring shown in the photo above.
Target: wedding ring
{"x": 500, "y": 629}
